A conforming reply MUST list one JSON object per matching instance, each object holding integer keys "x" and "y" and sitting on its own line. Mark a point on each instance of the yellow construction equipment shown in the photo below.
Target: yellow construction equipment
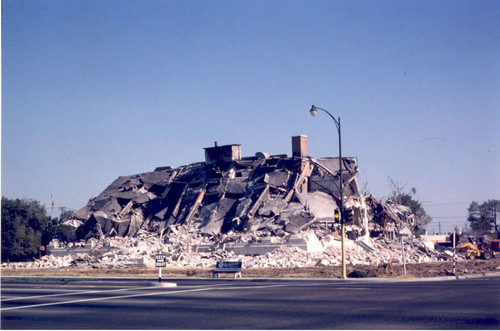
{"x": 477, "y": 249}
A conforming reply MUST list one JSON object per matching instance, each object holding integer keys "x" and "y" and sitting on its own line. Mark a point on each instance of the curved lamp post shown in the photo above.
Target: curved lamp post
{"x": 314, "y": 111}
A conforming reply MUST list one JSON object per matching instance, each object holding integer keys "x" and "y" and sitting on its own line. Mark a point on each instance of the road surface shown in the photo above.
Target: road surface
{"x": 252, "y": 304}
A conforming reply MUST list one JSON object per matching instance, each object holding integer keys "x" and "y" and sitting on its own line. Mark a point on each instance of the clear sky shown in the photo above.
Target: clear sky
{"x": 93, "y": 90}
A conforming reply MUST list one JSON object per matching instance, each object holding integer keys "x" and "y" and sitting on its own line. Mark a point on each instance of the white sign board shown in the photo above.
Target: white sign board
{"x": 161, "y": 260}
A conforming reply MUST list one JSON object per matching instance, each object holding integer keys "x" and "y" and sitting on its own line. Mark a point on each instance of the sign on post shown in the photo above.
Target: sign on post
{"x": 454, "y": 238}
{"x": 160, "y": 262}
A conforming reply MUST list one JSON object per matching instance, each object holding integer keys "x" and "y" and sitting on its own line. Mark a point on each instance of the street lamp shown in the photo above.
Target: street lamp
{"x": 314, "y": 111}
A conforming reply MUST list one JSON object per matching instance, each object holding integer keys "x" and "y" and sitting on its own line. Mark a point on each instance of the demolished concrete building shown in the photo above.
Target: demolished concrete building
{"x": 245, "y": 199}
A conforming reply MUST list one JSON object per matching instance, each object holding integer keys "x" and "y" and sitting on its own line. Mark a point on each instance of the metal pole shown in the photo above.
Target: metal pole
{"x": 159, "y": 275}
{"x": 454, "y": 250}
{"x": 344, "y": 274}
{"x": 403, "y": 252}
{"x": 342, "y": 223}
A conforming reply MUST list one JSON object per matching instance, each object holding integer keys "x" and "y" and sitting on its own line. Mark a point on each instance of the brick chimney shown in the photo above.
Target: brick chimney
{"x": 299, "y": 146}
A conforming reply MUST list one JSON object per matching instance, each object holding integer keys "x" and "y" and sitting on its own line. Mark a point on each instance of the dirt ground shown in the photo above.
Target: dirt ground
{"x": 431, "y": 269}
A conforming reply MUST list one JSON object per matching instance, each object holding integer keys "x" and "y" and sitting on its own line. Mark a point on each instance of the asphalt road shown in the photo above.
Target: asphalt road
{"x": 252, "y": 304}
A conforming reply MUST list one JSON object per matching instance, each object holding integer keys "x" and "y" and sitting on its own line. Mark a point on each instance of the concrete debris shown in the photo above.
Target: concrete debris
{"x": 273, "y": 207}
{"x": 266, "y": 210}
{"x": 388, "y": 217}
{"x": 298, "y": 220}
{"x": 184, "y": 249}
{"x": 69, "y": 228}
{"x": 320, "y": 204}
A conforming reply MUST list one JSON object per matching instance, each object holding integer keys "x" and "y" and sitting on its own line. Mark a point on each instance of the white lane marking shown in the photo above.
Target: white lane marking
{"x": 73, "y": 293}
{"x": 132, "y": 296}
{"x": 87, "y": 292}
{"x": 336, "y": 288}
{"x": 202, "y": 288}
{"x": 32, "y": 289}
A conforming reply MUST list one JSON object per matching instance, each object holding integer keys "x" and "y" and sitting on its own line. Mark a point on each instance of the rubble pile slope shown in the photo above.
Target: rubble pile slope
{"x": 261, "y": 209}
{"x": 184, "y": 252}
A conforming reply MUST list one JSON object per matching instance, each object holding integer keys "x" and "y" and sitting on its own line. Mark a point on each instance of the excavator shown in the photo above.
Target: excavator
{"x": 477, "y": 249}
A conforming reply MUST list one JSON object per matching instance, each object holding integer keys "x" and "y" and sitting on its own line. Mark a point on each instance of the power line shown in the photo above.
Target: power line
{"x": 430, "y": 203}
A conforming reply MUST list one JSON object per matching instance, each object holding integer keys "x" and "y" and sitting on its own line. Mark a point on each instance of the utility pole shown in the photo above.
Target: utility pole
{"x": 439, "y": 224}
{"x": 52, "y": 203}
{"x": 62, "y": 212}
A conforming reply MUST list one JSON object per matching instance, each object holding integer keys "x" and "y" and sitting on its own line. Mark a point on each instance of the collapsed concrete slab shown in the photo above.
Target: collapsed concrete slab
{"x": 320, "y": 204}
{"x": 273, "y": 207}
{"x": 69, "y": 228}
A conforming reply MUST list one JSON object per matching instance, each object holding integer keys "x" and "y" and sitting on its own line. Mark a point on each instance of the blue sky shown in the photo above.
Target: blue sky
{"x": 93, "y": 90}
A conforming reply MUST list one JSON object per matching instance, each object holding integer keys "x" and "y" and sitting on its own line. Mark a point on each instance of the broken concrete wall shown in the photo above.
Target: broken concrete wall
{"x": 226, "y": 153}
{"x": 326, "y": 176}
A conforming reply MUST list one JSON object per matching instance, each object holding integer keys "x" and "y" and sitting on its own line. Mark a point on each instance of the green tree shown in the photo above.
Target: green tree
{"x": 483, "y": 218}
{"x": 65, "y": 215}
{"x": 50, "y": 229}
{"x": 399, "y": 196}
{"x": 25, "y": 227}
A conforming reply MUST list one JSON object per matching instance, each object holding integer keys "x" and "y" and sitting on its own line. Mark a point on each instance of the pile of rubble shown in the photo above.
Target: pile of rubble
{"x": 183, "y": 251}
{"x": 268, "y": 211}
{"x": 265, "y": 195}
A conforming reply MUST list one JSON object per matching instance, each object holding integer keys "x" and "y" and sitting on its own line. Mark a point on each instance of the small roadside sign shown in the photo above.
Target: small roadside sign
{"x": 161, "y": 260}
{"x": 454, "y": 238}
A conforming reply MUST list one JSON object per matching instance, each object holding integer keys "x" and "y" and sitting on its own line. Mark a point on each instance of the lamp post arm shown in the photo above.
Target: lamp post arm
{"x": 337, "y": 122}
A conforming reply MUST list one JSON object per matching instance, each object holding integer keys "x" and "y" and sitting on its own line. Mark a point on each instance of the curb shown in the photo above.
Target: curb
{"x": 428, "y": 279}
{"x": 171, "y": 284}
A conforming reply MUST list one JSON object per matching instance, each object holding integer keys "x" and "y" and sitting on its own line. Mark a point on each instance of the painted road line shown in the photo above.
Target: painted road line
{"x": 133, "y": 296}
{"x": 140, "y": 288}
{"x": 69, "y": 292}
{"x": 73, "y": 293}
